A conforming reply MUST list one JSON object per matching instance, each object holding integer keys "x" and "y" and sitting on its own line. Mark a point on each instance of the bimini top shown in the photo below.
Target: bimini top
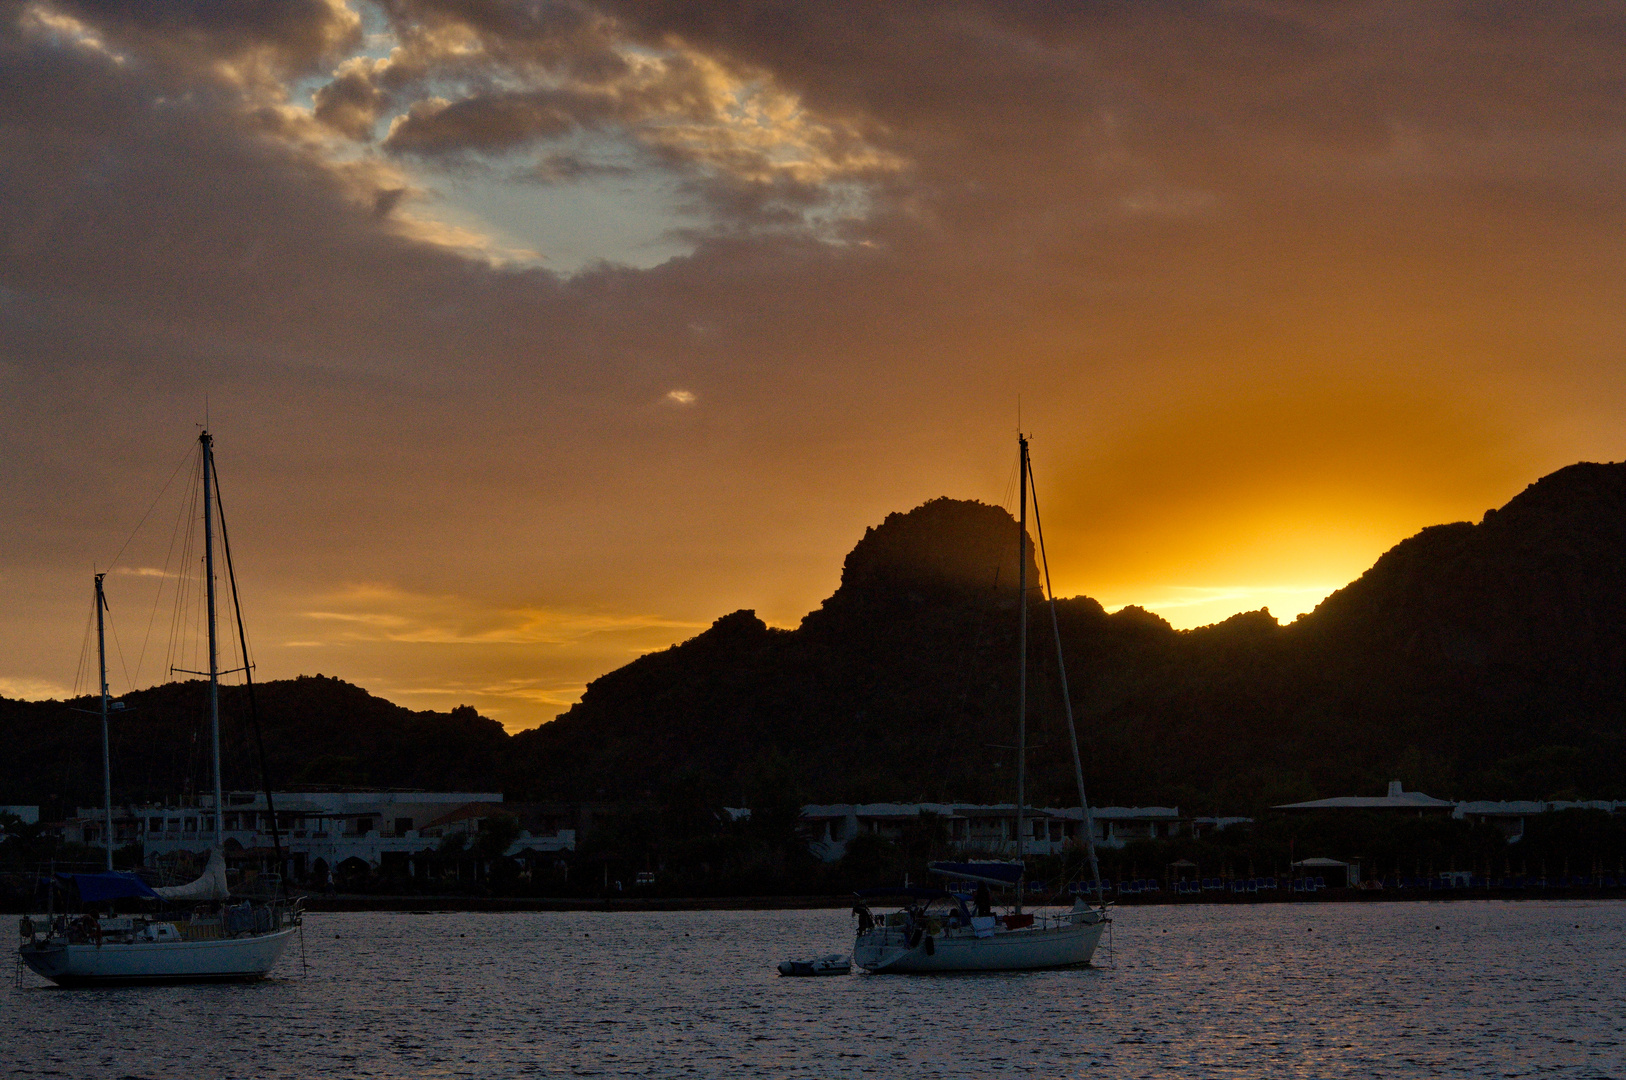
{"x": 994, "y": 873}
{"x": 109, "y": 885}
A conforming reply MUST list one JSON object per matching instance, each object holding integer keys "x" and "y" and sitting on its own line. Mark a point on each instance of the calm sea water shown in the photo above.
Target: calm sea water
{"x": 1312, "y": 990}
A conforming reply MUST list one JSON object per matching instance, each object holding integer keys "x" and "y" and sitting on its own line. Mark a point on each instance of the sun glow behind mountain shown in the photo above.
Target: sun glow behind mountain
{"x": 536, "y": 336}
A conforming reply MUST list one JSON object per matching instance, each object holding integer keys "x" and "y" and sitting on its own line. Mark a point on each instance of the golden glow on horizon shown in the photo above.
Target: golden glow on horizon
{"x": 579, "y": 326}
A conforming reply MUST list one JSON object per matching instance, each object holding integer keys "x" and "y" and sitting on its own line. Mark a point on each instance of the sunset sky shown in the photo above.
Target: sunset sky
{"x": 537, "y": 335}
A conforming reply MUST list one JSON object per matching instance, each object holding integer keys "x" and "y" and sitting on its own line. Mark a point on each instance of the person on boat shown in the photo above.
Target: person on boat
{"x": 985, "y": 903}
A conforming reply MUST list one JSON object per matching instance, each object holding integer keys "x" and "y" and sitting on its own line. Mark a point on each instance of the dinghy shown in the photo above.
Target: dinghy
{"x": 834, "y": 964}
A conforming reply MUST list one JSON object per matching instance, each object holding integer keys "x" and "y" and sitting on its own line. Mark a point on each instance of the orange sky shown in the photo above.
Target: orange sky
{"x": 538, "y": 336}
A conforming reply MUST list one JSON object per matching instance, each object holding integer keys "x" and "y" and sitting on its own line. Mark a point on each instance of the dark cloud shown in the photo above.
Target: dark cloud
{"x": 571, "y": 168}
{"x": 350, "y": 104}
{"x": 487, "y": 123}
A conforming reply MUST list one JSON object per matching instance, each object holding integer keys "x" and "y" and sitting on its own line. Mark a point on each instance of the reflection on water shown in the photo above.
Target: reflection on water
{"x": 1312, "y": 990}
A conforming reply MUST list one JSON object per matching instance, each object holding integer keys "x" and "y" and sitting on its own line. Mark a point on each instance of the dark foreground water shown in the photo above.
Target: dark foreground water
{"x": 1310, "y": 990}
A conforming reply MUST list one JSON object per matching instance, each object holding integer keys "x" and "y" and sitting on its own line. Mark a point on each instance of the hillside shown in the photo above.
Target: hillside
{"x": 1472, "y": 660}
{"x": 1482, "y": 660}
{"x": 317, "y": 731}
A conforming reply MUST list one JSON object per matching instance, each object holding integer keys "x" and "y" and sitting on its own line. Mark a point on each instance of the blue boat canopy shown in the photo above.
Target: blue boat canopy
{"x": 994, "y": 873}
{"x": 109, "y": 885}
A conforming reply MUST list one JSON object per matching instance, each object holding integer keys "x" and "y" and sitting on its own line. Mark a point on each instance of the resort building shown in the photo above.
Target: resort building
{"x": 977, "y": 829}
{"x": 323, "y": 831}
{"x": 1511, "y": 817}
{"x": 1396, "y": 799}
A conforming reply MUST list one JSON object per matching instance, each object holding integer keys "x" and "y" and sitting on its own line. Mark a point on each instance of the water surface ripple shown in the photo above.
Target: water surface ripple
{"x": 1482, "y": 989}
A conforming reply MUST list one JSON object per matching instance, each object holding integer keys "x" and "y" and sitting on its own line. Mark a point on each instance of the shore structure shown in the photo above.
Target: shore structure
{"x": 324, "y": 830}
{"x": 980, "y": 829}
{"x": 328, "y": 832}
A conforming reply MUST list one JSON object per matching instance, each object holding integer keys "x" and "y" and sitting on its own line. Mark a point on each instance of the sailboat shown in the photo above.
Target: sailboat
{"x": 220, "y": 937}
{"x": 936, "y": 931}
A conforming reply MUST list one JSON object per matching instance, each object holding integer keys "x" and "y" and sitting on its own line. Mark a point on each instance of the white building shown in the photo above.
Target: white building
{"x": 977, "y": 829}
{"x": 320, "y": 831}
{"x": 1395, "y": 799}
{"x": 1511, "y": 817}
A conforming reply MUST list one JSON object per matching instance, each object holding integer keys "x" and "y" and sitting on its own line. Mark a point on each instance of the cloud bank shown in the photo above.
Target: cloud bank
{"x": 1267, "y": 278}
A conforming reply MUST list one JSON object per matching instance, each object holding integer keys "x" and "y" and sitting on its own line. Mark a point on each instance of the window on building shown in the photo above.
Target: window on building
{"x": 403, "y": 825}
{"x": 155, "y": 824}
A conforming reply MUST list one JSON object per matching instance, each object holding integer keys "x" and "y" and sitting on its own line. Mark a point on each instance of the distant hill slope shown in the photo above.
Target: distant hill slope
{"x": 317, "y": 730}
{"x": 1482, "y": 660}
{"x": 1476, "y": 660}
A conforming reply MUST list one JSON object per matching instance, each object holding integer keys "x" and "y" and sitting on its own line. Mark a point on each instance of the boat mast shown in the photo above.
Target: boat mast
{"x": 1021, "y": 664}
{"x": 107, "y": 766}
{"x": 207, "y": 442}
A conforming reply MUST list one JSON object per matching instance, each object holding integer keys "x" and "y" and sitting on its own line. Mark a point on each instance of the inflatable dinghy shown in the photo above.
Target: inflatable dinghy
{"x": 834, "y": 964}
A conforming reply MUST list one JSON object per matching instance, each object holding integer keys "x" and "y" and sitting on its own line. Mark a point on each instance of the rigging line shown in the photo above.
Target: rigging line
{"x": 1087, "y": 823}
{"x": 183, "y": 524}
{"x": 176, "y": 653}
{"x": 1009, "y": 495}
{"x": 248, "y": 681}
{"x": 179, "y": 465}
{"x": 117, "y": 645}
{"x": 84, "y": 652}
{"x": 169, "y": 560}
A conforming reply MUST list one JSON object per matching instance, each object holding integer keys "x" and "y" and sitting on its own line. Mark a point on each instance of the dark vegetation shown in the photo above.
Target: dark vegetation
{"x": 1472, "y": 661}
{"x": 317, "y": 731}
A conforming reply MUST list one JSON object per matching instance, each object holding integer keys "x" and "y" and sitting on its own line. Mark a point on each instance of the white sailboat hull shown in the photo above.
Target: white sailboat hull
{"x": 887, "y": 949}
{"x": 222, "y": 960}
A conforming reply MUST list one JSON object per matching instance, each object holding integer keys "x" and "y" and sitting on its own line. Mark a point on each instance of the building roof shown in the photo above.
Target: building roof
{"x": 1118, "y": 813}
{"x": 1396, "y": 799}
{"x": 956, "y": 810}
{"x": 478, "y": 811}
{"x": 1486, "y": 808}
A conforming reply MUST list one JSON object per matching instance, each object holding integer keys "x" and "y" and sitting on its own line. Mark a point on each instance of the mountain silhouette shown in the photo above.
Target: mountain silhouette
{"x": 1477, "y": 660}
{"x": 1472, "y": 660}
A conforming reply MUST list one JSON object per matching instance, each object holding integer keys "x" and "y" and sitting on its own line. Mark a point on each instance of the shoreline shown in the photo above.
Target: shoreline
{"x": 420, "y": 905}
{"x": 427, "y": 905}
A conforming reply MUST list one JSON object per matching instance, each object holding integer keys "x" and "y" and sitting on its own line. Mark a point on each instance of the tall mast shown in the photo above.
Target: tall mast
{"x": 1021, "y": 665}
{"x": 208, "y": 444}
{"x": 107, "y": 765}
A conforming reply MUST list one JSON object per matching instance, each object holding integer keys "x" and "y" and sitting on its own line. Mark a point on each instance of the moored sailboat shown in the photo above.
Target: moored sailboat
{"x": 936, "y": 931}
{"x": 218, "y": 937}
